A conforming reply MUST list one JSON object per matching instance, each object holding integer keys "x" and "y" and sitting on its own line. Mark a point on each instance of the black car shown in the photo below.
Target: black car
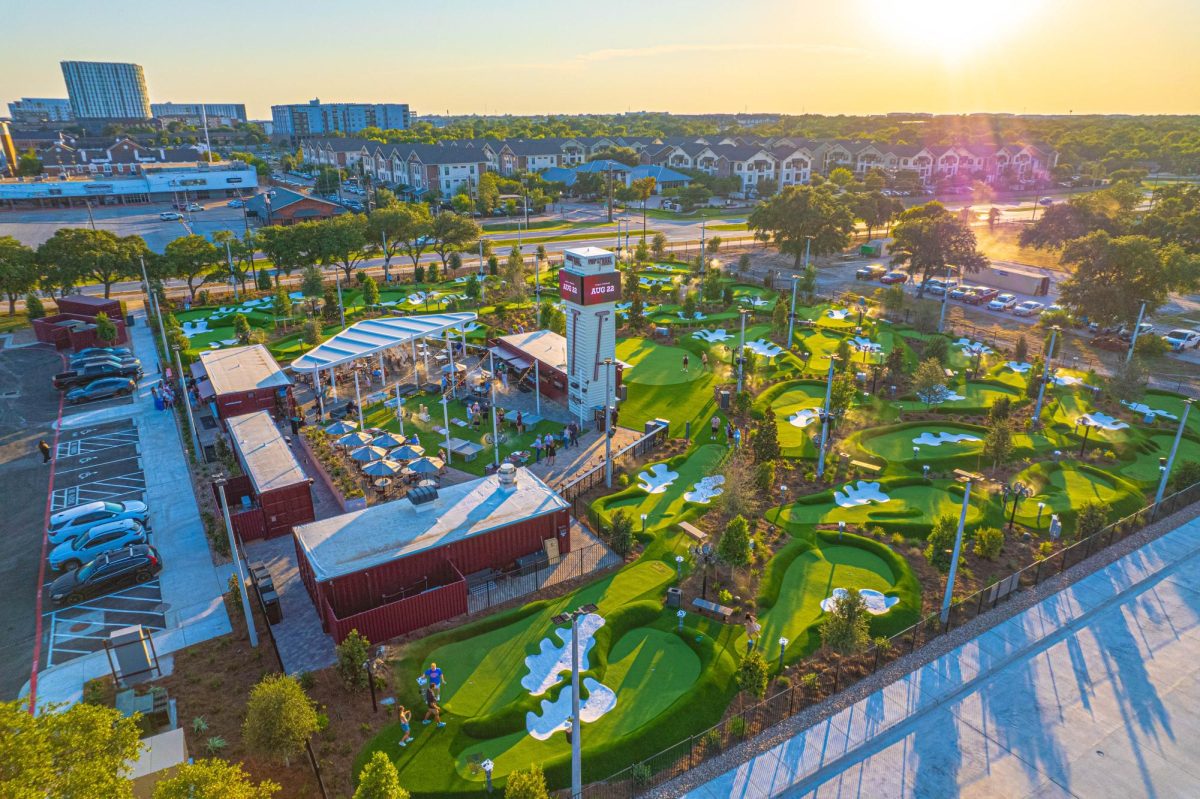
{"x": 134, "y": 564}
{"x": 94, "y": 371}
{"x": 103, "y": 388}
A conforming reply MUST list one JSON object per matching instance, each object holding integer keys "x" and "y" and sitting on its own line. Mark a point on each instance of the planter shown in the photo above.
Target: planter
{"x": 347, "y": 504}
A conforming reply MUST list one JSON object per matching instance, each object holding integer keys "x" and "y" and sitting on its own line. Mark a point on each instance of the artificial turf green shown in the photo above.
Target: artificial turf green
{"x": 669, "y": 507}
{"x": 910, "y": 507}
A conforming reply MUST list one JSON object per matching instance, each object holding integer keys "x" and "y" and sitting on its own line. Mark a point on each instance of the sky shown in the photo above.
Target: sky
{"x": 607, "y": 56}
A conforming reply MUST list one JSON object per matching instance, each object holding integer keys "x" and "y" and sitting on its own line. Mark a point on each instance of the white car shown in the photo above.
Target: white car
{"x": 170, "y": 216}
{"x": 1028, "y": 308}
{"x": 193, "y": 207}
{"x": 1004, "y": 302}
{"x": 1183, "y": 339}
{"x": 84, "y": 548}
{"x": 66, "y": 524}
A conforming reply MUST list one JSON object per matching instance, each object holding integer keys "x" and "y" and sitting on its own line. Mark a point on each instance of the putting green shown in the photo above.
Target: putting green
{"x": 657, "y": 364}
{"x": 897, "y": 444}
{"x": 669, "y": 507}
{"x": 1066, "y": 487}
{"x": 1145, "y": 467}
{"x": 811, "y": 578}
{"x": 911, "y": 508}
{"x": 794, "y": 441}
{"x": 977, "y": 397}
{"x": 648, "y": 670}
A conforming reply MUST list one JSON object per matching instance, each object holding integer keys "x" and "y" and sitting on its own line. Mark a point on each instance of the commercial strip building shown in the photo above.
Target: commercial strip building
{"x": 123, "y": 156}
{"x": 106, "y": 90}
{"x": 314, "y": 118}
{"x": 37, "y": 110}
{"x": 197, "y": 113}
{"x": 281, "y": 206}
{"x": 151, "y": 183}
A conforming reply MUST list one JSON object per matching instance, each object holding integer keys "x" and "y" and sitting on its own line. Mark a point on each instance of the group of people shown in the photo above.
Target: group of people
{"x": 703, "y": 361}
{"x": 547, "y": 444}
{"x": 733, "y": 435}
{"x": 431, "y": 691}
{"x": 164, "y": 392}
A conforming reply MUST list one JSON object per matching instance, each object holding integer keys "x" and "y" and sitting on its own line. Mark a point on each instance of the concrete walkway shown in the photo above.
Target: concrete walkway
{"x": 1093, "y": 692}
{"x": 191, "y": 588}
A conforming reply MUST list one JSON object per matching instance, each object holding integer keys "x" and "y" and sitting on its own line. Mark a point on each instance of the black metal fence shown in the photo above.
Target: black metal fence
{"x": 818, "y": 685}
{"x": 572, "y": 490}
{"x": 495, "y": 588}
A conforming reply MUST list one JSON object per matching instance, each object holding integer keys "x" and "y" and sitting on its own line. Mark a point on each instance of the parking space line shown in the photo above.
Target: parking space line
{"x": 91, "y": 465}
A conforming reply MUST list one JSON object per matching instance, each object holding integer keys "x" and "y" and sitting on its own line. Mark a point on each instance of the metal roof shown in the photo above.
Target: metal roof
{"x": 548, "y": 347}
{"x": 238, "y": 369}
{"x": 383, "y": 533}
{"x": 268, "y": 459}
{"x": 372, "y": 336}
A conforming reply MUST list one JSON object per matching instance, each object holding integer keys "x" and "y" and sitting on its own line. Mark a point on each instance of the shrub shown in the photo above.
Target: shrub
{"x": 352, "y": 653}
{"x": 527, "y": 783}
{"x": 1045, "y": 550}
{"x": 1021, "y": 350}
{"x": 940, "y": 542}
{"x": 724, "y": 596}
{"x": 988, "y": 542}
{"x": 883, "y": 645}
{"x": 212, "y": 778}
{"x": 215, "y": 744}
{"x": 1091, "y": 520}
{"x": 765, "y": 444}
{"x": 737, "y": 727}
{"x": 752, "y": 674}
{"x": 640, "y": 772}
{"x": 764, "y": 476}
{"x": 846, "y": 628}
{"x": 106, "y": 331}
{"x": 1186, "y": 474}
{"x": 379, "y": 779}
{"x": 937, "y": 348}
{"x": 811, "y": 683}
{"x": 311, "y": 334}
{"x": 711, "y": 739}
{"x": 621, "y": 535}
{"x": 280, "y": 717}
{"x": 33, "y": 306}
{"x": 734, "y": 546}
{"x": 199, "y": 725}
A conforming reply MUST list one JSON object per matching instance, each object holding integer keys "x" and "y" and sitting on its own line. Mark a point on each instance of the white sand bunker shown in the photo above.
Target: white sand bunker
{"x": 953, "y": 396}
{"x": 696, "y": 315}
{"x": 195, "y": 328}
{"x": 1066, "y": 380}
{"x": 972, "y": 347}
{"x": 706, "y": 489}
{"x": 656, "y": 479}
{"x": 860, "y": 493}
{"x": 757, "y": 302}
{"x": 877, "y": 603}
{"x": 928, "y": 439}
{"x": 713, "y": 336}
{"x": 863, "y": 344}
{"x": 417, "y": 298}
{"x": 1101, "y": 420}
{"x": 764, "y": 348}
{"x": 555, "y": 715}
{"x": 839, "y": 314}
{"x": 1146, "y": 410}
{"x": 804, "y": 417}
{"x": 296, "y": 295}
{"x": 1019, "y": 368}
{"x": 551, "y": 660}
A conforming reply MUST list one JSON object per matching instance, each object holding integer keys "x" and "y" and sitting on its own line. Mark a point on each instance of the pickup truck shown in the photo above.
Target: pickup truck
{"x": 873, "y": 272}
{"x": 981, "y": 295}
{"x": 95, "y": 371}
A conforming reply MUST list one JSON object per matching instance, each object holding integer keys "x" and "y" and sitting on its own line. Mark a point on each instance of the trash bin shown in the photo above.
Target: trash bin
{"x": 271, "y": 607}
{"x": 674, "y": 597}
{"x": 724, "y": 399}
{"x": 158, "y": 403}
{"x": 128, "y": 320}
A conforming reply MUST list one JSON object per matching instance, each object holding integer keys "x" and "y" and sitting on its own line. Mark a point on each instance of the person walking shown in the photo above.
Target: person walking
{"x": 431, "y": 702}
{"x": 728, "y": 433}
{"x": 537, "y": 449}
{"x": 574, "y": 435}
{"x": 435, "y": 678}
{"x": 520, "y": 424}
{"x": 737, "y": 437}
{"x": 405, "y": 716}
{"x": 704, "y": 359}
{"x": 753, "y": 628}
{"x": 716, "y": 426}
{"x": 685, "y": 363}
{"x": 44, "y": 448}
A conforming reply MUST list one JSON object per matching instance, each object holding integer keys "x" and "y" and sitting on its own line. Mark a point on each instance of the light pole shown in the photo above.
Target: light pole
{"x": 825, "y": 418}
{"x": 679, "y": 567}
{"x": 1166, "y": 472}
{"x": 608, "y": 362}
{"x": 1087, "y": 428}
{"x": 742, "y": 312}
{"x": 237, "y": 562}
{"x": 704, "y": 555}
{"x": 783, "y": 642}
{"x": 187, "y": 405}
{"x": 576, "y": 749}
{"x": 1037, "y": 412}
{"x": 358, "y": 400}
{"x": 1018, "y": 491}
{"x": 792, "y": 315}
{"x": 1137, "y": 328}
{"x": 962, "y": 521}
{"x": 492, "y": 398}
{"x": 446, "y": 420}
{"x": 337, "y": 276}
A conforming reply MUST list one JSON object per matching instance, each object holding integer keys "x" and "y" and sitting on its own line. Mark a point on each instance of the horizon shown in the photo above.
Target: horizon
{"x": 1030, "y": 58}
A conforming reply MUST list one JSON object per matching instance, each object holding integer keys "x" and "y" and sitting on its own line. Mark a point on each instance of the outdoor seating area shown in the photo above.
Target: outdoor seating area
{"x": 386, "y": 465}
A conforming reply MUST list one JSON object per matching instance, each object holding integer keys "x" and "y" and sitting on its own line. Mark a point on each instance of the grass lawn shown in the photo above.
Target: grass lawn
{"x": 897, "y": 445}
{"x": 669, "y": 507}
{"x": 1144, "y": 467}
{"x": 14, "y": 322}
{"x": 658, "y": 388}
{"x": 795, "y": 441}
{"x": 911, "y": 507}
{"x": 1066, "y": 487}
{"x": 977, "y": 397}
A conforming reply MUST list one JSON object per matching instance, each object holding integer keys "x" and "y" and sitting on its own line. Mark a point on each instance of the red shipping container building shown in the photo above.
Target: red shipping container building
{"x": 241, "y": 380}
{"x": 274, "y": 494}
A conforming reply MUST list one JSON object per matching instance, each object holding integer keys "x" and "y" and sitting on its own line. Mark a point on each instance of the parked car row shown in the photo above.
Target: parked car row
{"x": 98, "y": 373}
{"x": 100, "y": 546}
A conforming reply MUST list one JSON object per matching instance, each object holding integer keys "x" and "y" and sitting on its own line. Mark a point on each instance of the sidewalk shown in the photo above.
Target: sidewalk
{"x": 1093, "y": 692}
{"x": 191, "y": 588}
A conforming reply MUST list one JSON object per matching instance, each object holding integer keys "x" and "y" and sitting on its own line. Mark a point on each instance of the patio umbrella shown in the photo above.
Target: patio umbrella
{"x": 383, "y": 468}
{"x": 388, "y": 440}
{"x": 354, "y": 440}
{"x": 341, "y": 428}
{"x": 407, "y": 452}
{"x": 369, "y": 454}
{"x": 424, "y": 466}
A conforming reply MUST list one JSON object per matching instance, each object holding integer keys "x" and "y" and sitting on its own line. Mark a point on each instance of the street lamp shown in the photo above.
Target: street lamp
{"x": 783, "y": 642}
{"x": 1087, "y": 428}
{"x": 220, "y": 483}
{"x": 608, "y": 431}
{"x": 705, "y": 556}
{"x": 825, "y": 418}
{"x": 576, "y": 757}
{"x": 1137, "y": 328}
{"x": 962, "y": 521}
{"x": 1037, "y": 412}
{"x": 644, "y": 516}
{"x": 1166, "y": 467}
{"x": 792, "y": 315}
{"x": 741, "y": 360}
{"x": 1041, "y": 510}
{"x": 681, "y": 615}
{"x": 1018, "y": 492}
{"x": 679, "y": 566}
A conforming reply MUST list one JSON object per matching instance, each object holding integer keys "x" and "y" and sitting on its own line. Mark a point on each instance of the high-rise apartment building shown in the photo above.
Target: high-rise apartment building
{"x": 319, "y": 119}
{"x": 195, "y": 113}
{"x": 104, "y": 90}
{"x": 34, "y": 110}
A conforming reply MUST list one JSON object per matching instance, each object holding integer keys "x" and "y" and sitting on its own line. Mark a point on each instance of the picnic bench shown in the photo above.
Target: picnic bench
{"x": 694, "y": 531}
{"x": 870, "y": 467}
{"x": 467, "y": 449}
{"x": 714, "y": 608}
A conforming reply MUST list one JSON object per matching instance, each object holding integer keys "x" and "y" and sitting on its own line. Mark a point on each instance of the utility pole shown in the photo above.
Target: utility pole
{"x": 962, "y": 520}
{"x": 1166, "y": 472}
{"x": 232, "y": 275}
{"x": 792, "y": 315}
{"x": 610, "y": 193}
{"x": 608, "y": 362}
{"x": 187, "y": 405}
{"x": 741, "y": 361}
{"x": 337, "y": 276}
{"x": 237, "y": 562}
{"x": 492, "y": 395}
{"x": 1037, "y": 411}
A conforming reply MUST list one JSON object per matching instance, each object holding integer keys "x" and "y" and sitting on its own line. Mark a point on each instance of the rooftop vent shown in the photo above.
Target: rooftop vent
{"x": 507, "y": 475}
{"x": 422, "y": 497}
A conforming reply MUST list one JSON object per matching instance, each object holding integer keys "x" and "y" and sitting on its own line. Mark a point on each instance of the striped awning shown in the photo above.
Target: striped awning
{"x": 372, "y": 336}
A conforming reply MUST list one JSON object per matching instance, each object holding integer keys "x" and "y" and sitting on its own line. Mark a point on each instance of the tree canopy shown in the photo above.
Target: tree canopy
{"x": 797, "y": 213}
{"x": 928, "y": 239}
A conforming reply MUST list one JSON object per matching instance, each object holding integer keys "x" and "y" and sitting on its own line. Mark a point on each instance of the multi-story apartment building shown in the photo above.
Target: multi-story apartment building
{"x": 315, "y": 118}
{"x": 196, "y": 113}
{"x": 122, "y": 157}
{"x": 103, "y": 90}
{"x": 36, "y": 110}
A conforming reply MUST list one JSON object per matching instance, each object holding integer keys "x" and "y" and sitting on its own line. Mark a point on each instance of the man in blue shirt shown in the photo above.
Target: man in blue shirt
{"x": 434, "y": 675}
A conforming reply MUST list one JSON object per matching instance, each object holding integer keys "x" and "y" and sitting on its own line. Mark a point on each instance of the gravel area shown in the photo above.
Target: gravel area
{"x": 899, "y": 668}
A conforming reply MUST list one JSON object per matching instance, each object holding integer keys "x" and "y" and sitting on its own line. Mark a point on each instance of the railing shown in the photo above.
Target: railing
{"x": 689, "y": 753}
{"x": 502, "y": 587}
{"x": 572, "y": 490}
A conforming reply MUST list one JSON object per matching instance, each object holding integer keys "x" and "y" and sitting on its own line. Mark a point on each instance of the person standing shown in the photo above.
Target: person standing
{"x": 405, "y": 716}
{"x": 44, "y": 448}
{"x": 685, "y": 362}
{"x": 704, "y": 359}
{"x": 753, "y": 628}
{"x": 737, "y": 437}
{"x": 431, "y": 702}
{"x": 716, "y": 425}
{"x": 537, "y": 449}
{"x": 435, "y": 678}
{"x": 550, "y": 447}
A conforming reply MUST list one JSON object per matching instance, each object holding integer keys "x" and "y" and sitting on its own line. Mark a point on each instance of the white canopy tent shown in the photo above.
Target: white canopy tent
{"x": 371, "y": 336}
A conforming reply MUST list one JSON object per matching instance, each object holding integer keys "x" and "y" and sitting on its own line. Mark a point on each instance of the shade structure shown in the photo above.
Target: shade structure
{"x": 383, "y": 468}
{"x": 341, "y": 428}
{"x": 354, "y": 440}
{"x": 369, "y": 454}
{"x": 388, "y": 440}
{"x": 372, "y": 336}
{"x": 424, "y": 466}
{"x": 407, "y": 452}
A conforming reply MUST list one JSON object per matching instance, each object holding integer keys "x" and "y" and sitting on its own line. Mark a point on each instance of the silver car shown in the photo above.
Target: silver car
{"x": 104, "y": 537}
{"x": 67, "y": 524}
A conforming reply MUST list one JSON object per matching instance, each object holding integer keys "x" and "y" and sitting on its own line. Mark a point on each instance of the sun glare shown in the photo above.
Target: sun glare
{"x": 952, "y": 29}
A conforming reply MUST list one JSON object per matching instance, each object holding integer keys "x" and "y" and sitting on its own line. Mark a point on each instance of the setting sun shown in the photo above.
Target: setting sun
{"x": 952, "y": 29}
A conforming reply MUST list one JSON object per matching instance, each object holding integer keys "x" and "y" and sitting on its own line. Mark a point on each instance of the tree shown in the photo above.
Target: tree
{"x": 937, "y": 348}
{"x": 928, "y": 238}
{"x": 241, "y": 328}
{"x": 18, "y": 270}
{"x": 1113, "y": 276}
{"x": 1065, "y": 222}
{"x": 621, "y": 535}
{"x": 80, "y": 752}
{"x": 846, "y": 628}
{"x": 637, "y": 312}
{"x": 527, "y": 783}
{"x": 734, "y": 546}
{"x": 876, "y": 209}
{"x": 84, "y": 254}
{"x": 191, "y": 258}
{"x": 283, "y": 303}
{"x": 106, "y": 331}
{"x": 779, "y": 318}
{"x": 993, "y": 217}
{"x": 33, "y": 307}
{"x": 453, "y": 233}
{"x": 1128, "y": 382}
{"x": 711, "y": 288}
{"x": 841, "y": 395}
{"x": 212, "y": 778}
{"x": 641, "y": 189}
{"x": 285, "y": 247}
{"x": 766, "y": 187}
{"x": 352, "y": 654}
{"x": 328, "y": 180}
{"x": 752, "y": 676}
{"x": 29, "y": 165}
{"x": 331, "y": 309}
{"x": 658, "y": 246}
{"x": 841, "y": 177}
{"x": 765, "y": 444}
{"x": 311, "y": 333}
{"x": 379, "y": 780}
{"x": 370, "y": 291}
{"x": 997, "y": 442}
{"x": 514, "y": 274}
{"x": 929, "y": 382}
{"x": 1092, "y": 519}
{"x": 989, "y": 542}
{"x": 940, "y": 543}
{"x": 343, "y": 242}
{"x": 279, "y": 717}
{"x": 312, "y": 285}
{"x": 844, "y": 355}
{"x": 894, "y": 363}
{"x": 893, "y": 299}
{"x": 1021, "y": 349}
{"x": 798, "y": 212}
{"x": 744, "y": 262}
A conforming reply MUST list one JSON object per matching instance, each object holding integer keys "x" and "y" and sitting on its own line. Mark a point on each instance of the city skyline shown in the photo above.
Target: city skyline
{"x": 863, "y": 56}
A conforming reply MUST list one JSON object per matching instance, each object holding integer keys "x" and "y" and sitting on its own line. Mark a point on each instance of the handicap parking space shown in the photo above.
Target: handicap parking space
{"x": 78, "y": 630}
